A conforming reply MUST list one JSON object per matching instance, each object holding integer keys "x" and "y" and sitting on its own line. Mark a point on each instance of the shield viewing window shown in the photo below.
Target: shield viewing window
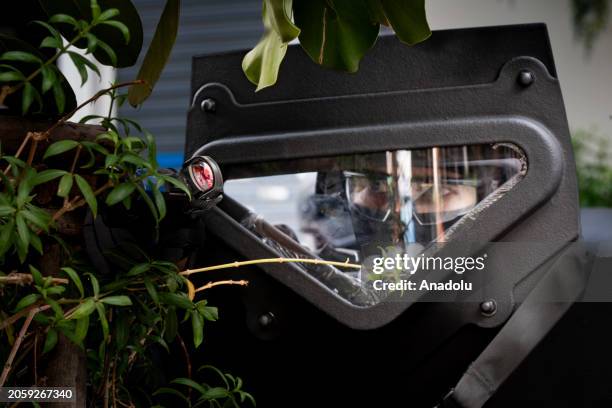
{"x": 351, "y": 207}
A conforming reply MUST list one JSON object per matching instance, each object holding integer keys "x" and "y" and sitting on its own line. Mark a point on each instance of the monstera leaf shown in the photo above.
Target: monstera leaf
{"x": 107, "y": 36}
{"x": 262, "y": 63}
{"x": 334, "y": 33}
{"x": 407, "y": 18}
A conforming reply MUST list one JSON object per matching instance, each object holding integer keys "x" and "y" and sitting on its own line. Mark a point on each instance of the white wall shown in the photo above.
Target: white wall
{"x": 89, "y": 88}
{"x": 586, "y": 79}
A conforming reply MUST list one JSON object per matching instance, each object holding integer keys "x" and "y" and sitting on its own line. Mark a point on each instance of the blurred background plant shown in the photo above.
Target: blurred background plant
{"x": 594, "y": 168}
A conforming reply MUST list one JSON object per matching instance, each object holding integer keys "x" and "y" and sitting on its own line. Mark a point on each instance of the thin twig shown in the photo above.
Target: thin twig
{"x": 76, "y": 202}
{"x": 223, "y": 282}
{"x": 18, "y": 340}
{"x": 22, "y": 146}
{"x": 36, "y": 359}
{"x": 16, "y": 278}
{"x": 35, "y": 307}
{"x": 269, "y": 260}
{"x": 100, "y": 93}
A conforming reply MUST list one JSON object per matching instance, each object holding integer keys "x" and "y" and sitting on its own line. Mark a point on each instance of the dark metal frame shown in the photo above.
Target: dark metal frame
{"x": 486, "y": 85}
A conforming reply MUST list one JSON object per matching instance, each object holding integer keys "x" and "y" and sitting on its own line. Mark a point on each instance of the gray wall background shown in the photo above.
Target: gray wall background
{"x": 207, "y": 26}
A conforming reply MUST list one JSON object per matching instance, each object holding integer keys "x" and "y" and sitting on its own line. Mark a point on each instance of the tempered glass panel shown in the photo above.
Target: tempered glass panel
{"x": 351, "y": 207}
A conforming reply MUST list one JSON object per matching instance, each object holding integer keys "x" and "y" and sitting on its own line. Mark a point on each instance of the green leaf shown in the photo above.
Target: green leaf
{"x": 65, "y": 185}
{"x": 23, "y": 232}
{"x": 20, "y": 56}
{"x": 88, "y": 194}
{"x": 60, "y": 147}
{"x": 262, "y": 63}
{"x": 50, "y": 42}
{"x": 80, "y": 66}
{"x": 56, "y": 290}
{"x": 189, "y": 383}
{"x": 36, "y": 275}
{"x": 149, "y": 203}
{"x": 157, "y": 54}
{"x": 29, "y": 94}
{"x": 59, "y": 96}
{"x": 25, "y": 186}
{"x": 37, "y": 216}
{"x": 119, "y": 193}
{"x": 108, "y": 14}
{"x": 95, "y": 10}
{"x": 57, "y": 309}
{"x": 209, "y": 312}
{"x": 280, "y": 13}
{"x": 74, "y": 276}
{"x": 47, "y": 175}
{"x": 84, "y": 309}
{"x": 170, "y": 324}
{"x": 92, "y": 42}
{"x": 139, "y": 268}
{"x": 49, "y": 78}
{"x": 26, "y": 301}
{"x": 109, "y": 52}
{"x": 125, "y": 31}
{"x": 408, "y": 19}
{"x": 178, "y": 184}
{"x": 215, "y": 393}
{"x": 103, "y": 321}
{"x": 120, "y": 300}
{"x": 50, "y": 341}
{"x": 151, "y": 149}
{"x": 54, "y": 33}
{"x": 82, "y": 63}
{"x": 63, "y": 18}
{"x": 6, "y": 210}
{"x": 11, "y": 76}
{"x": 6, "y": 236}
{"x": 151, "y": 290}
{"x": 120, "y": 10}
{"x": 336, "y": 34}
{"x": 175, "y": 299}
{"x": 81, "y": 328}
{"x": 160, "y": 202}
{"x": 36, "y": 243}
{"x": 95, "y": 286}
{"x": 197, "y": 325}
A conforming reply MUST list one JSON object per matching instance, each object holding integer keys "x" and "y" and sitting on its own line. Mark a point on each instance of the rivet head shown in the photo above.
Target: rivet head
{"x": 526, "y": 78}
{"x": 488, "y": 307}
{"x": 208, "y": 105}
{"x": 266, "y": 320}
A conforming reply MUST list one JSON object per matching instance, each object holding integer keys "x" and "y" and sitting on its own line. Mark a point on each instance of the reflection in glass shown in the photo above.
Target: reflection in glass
{"x": 353, "y": 207}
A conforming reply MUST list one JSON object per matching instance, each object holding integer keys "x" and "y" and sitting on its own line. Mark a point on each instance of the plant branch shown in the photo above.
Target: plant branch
{"x": 269, "y": 260}
{"x": 99, "y": 94}
{"x": 20, "y": 149}
{"x": 223, "y": 282}
{"x": 78, "y": 202}
{"x": 16, "y": 278}
{"x": 35, "y": 307}
{"x": 18, "y": 340}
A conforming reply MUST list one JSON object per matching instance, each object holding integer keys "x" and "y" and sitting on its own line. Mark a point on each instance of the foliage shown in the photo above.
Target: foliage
{"x": 28, "y": 72}
{"x": 117, "y": 318}
{"x": 230, "y": 394}
{"x": 334, "y": 33}
{"x": 594, "y": 167}
{"x": 590, "y": 18}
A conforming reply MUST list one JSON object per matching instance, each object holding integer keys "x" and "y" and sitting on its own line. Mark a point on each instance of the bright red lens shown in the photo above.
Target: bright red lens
{"x": 202, "y": 176}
